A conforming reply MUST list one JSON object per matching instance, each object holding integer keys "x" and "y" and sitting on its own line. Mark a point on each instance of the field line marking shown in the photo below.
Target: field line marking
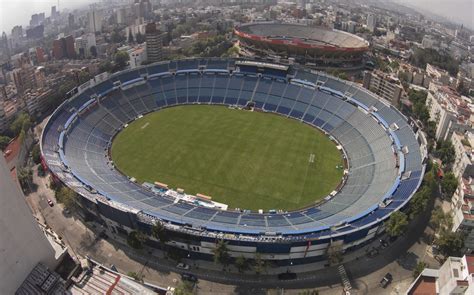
{"x": 145, "y": 125}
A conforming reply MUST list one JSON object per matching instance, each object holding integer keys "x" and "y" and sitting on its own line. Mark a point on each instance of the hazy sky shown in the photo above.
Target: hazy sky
{"x": 13, "y": 12}
{"x": 458, "y": 11}
{"x": 18, "y": 12}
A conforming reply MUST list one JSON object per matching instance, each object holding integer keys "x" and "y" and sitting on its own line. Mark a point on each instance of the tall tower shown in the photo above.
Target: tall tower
{"x": 22, "y": 243}
{"x": 154, "y": 43}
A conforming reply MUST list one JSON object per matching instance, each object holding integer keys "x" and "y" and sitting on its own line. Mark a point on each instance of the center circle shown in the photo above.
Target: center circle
{"x": 245, "y": 159}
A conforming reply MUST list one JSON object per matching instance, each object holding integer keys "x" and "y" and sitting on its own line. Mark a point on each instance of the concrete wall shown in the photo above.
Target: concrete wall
{"x": 22, "y": 243}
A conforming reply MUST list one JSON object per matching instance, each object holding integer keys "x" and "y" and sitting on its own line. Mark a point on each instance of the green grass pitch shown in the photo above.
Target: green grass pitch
{"x": 248, "y": 160}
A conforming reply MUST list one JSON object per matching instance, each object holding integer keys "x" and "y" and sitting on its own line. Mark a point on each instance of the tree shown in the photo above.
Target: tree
{"x": 136, "y": 276}
{"x": 93, "y": 51}
{"x": 450, "y": 243}
{"x": 139, "y": 38}
{"x": 449, "y": 184}
{"x": 396, "y": 224}
{"x": 159, "y": 232}
{"x": 221, "y": 253}
{"x": 4, "y": 141}
{"x": 241, "y": 263}
{"x": 130, "y": 36}
{"x": 445, "y": 152}
{"x": 121, "y": 59}
{"x": 184, "y": 288}
{"x": 67, "y": 197}
{"x": 25, "y": 177}
{"x": 419, "y": 201}
{"x": 420, "y": 266}
{"x": 136, "y": 239}
{"x": 36, "y": 154}
{"x": 21, "y": 123}
{"x": 440, "y": 221}
{"x": 334, "y": 253}
{"x": 106, "y": 66}
{"x": 259, "y": 264}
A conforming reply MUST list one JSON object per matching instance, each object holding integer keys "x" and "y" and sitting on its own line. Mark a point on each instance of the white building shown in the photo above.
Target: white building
{"x": 84, "y": 43}
{"x": 95, "y": 18}
{"x": 137, "y": 56}
{"x": 371, "y": 22}
{"x": 456, "y": 276}
{"x": 448, "y": 110}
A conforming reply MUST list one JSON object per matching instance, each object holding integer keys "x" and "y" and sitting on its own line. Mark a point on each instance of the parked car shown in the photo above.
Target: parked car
{"x": 50, "y": 203}
{"x": 189, "y": 277}
{"x": 182, "y": 266}
{"x": 386, "y": 280}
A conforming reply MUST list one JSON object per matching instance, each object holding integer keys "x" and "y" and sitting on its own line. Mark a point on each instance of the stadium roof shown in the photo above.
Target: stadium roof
{"x": 305, "y": 35}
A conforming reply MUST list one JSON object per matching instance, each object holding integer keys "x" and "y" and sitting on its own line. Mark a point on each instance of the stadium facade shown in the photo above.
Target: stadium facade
{"x": 315, "y": 47}
{"x": 384, "y": 157}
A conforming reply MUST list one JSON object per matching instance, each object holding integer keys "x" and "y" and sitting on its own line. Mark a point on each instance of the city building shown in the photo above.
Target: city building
{"x": 138, "y": 55}
{"x": 95, "y": 18}
{"x": 385, "y": 85}
{"x": 35, "y": 32}
{"x": 24, "y": 78}
{"x": 450, "y": 111}
{"x": 85, "y": 45}
{"x": 23, "y": 245}
{"x": 371, "y": 22}
{"x": 64, "y": 48}
{"x": 36, "y": 102}
{"x": 154, "y": 43}
{"x": 456, "y": 276}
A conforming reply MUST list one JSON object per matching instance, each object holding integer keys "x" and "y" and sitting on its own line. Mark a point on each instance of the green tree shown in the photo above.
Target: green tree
{"x": 25, "y": 177}
{"x": 136, "y": 276}
{"x": 159, "y": 232}
{"x": 242, "y": 264}
{"x": 259, "y": 264}
{"x": 449, "y": 184}
{"x": 139, "y": 38}
{"x": 36, "y": 154}
{"x": 420, "y": 266}
{"x": 450, "y": 243}
{"x": 4, "y": 141}
{"x": 130, "y": 36}
{"x": 67, "y": 197}
{"x": 445, "y": 152}
{"x": 396, "y": 224}
{"x": 184, "y": 288}
{"x": 221, "y": 253}
{"x": 121, "y": 59}
{"x": 419, "y": 201}
{"x": 440, "y": 221}
{"x": 136, "y": 239}
{"x": 21, "y": 123}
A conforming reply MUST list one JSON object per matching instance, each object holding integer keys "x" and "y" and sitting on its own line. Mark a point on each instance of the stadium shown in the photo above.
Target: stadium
{"x": 315, "y": 47}
{"x": 91, "y": 138}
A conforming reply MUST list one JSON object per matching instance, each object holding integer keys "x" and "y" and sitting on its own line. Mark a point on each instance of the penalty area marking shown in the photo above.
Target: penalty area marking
{"x": 311, "y": 158}
{"x": 145, "y": 125}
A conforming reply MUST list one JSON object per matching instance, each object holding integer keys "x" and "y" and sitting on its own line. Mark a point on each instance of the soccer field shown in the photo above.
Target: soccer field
{"x": 248, "y": 160}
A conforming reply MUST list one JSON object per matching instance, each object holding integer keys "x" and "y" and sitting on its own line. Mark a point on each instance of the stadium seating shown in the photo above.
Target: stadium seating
{"x": 83, "y": 162}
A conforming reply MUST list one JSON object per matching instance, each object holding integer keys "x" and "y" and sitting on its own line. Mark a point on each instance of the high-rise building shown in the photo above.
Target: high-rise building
{"x": 371, "y": 22}
{"x": 384, "y": 85}
{"x": 54, "y": 13}
{"x": 64, "y": 48}
{"x": 142, "y": 9}
{"x": 154, "y": 43}
{"x": 22, "y": 243}
{"x": 70, "y": 20}
{"x": 95, "y": 20}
